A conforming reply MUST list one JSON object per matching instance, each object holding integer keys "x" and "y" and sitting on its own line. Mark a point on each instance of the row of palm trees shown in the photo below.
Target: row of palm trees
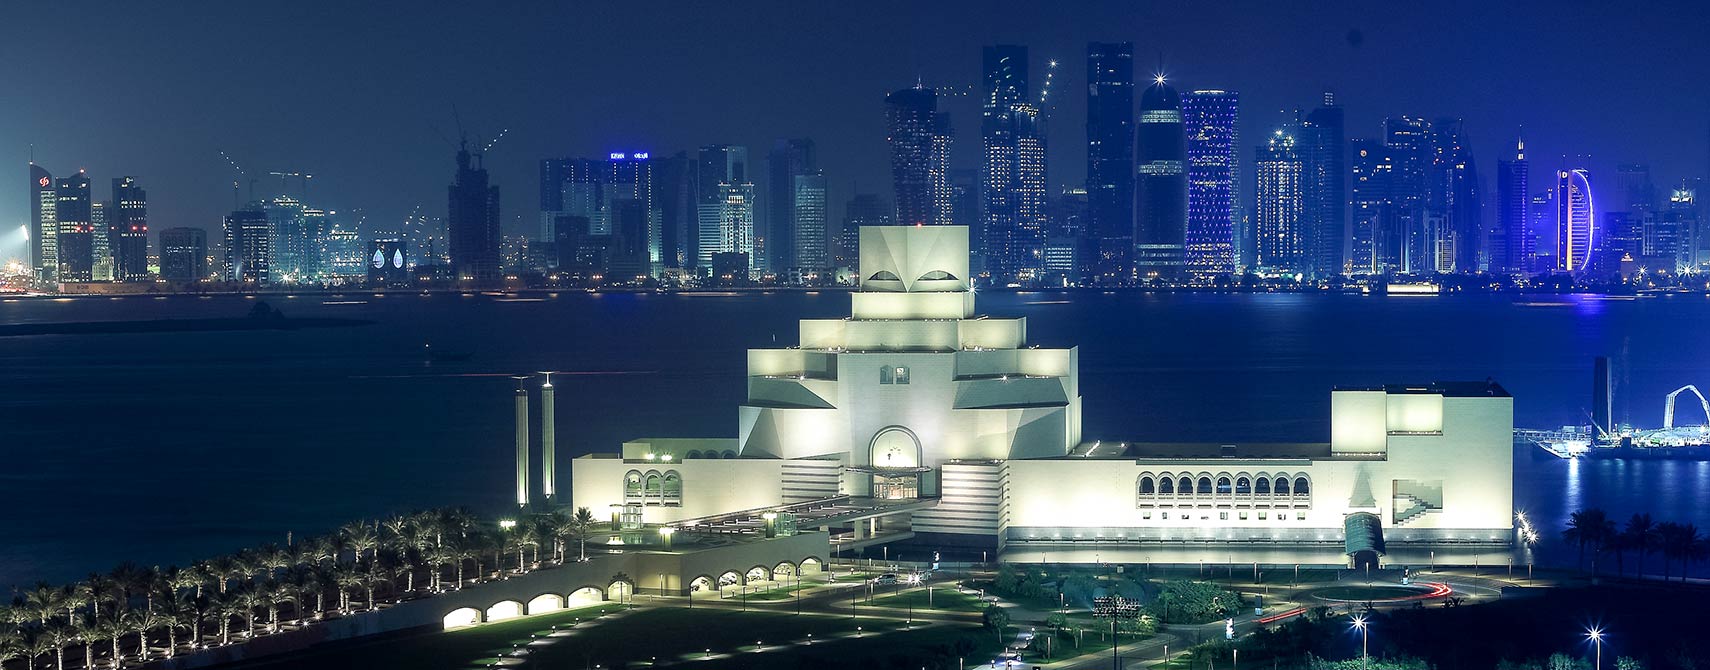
{"x": 1676, "y": 542}
{"x": 137, "y": 614}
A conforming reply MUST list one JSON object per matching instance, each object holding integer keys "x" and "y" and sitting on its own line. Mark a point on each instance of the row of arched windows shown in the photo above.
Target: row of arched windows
{"x": 653, "y": 487}
{"x": 710, "y": 453}
{"x": 1255, "y": 488}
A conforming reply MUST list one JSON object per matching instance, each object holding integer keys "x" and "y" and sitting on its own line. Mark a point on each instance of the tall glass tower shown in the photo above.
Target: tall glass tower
{"x": 1279, "y": 205}
{"x": 1109, "y": 236}
{"x": 1210, "y": 121}
{"x": 1161, "y": 186}
{"x": 1576, "y": 218}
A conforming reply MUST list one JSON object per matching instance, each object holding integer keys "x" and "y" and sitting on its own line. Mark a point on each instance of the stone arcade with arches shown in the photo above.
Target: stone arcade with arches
{"x": 916, "y": 398}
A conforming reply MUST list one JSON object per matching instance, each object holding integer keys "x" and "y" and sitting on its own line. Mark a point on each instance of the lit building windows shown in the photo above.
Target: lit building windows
{"x": 893, "y": 374}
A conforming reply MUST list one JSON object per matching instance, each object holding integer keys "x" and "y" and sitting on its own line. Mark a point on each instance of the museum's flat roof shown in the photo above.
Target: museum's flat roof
{"x": 1485, "y": 389}
{"x": 1201, "y": 450}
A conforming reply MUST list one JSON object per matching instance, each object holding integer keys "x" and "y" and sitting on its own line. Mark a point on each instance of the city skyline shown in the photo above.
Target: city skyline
{"x": 381, "y": 162}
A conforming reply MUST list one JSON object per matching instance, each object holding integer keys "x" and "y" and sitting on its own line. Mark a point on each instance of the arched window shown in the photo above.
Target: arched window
{"x": 884, "y": 275}
{"x": 729, "y": 454}
{"x": 936, "y": 275}
{"x": 652, "y": 487}
{"x": 1263, "y": 487}
{"x": 1302, "y": 487}
{"x": 1167, "y": 486}
{"x": 1184, "y": 486}
{"x": 1243, "y": 486}
{"x": 1222, "y": 486}
{"x": 673, "y": 488}
{"x": 1282, "y": 486}
{"x": 692, "y": 454}
{"x": 632, "y": 485}
{"x": 1204, "y": 488}
{"x": 1146, "y": 486}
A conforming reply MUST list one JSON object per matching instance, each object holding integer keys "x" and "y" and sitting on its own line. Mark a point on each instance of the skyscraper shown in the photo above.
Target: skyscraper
{"x": 183, "y": 254}
{"x": 919, "y": 137}
{"x": 1512, "y": 245}
{"x": 44, "y": 224}
{"x": 1576, "y": 220}
{"x": 1159, "y": 235}
{"x": 76, "y": 229}
{"x": 1408, "y": 140}
{"x": 129, "y": 221}
{"x": 811, "y": 252}
{"x": 863, "y": 209}
{"x": 1323, "y": 152}
{"x": 1209, "y": 119}
{"x": 1012, "y": 174}
{"x": 1377, "y": 244}
{"x": 1109, "y": 232}
{"x": 787, "y": 160}
{"x": 1453, "y": 213}
{"x": 473, "y": 220}
{"x": 725, "y": 203}
{"x": 1279, "y": 205}
{"x": 101, "y": 237}
{"x": 249, "y": 241}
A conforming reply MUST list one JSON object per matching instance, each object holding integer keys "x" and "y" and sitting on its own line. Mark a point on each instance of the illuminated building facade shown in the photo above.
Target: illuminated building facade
{"x": 958, "y": 430}
{"x": 129, "y": 223}
{"x": 76, "y": 240}
{"x": 1278, "y": 206}
{"x": 249, "y": 246}
{"x": 1210, "y": 119}
{"x": 472, "y": 221}
{"x": 1576, "y": 221}
{"x": 1012, "y": 176}
{"x": 1161, "y": 188}
{"x": 1324, "y": 169}
{"x": 919, "y": 137}
{"x": 777, "y": 244}
{"x": 183, "y": 255}
{"x": 44, "y": 224}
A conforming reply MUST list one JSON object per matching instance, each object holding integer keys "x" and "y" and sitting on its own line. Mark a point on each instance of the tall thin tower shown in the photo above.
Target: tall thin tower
{"x": 522, "y": 442}
{"x": 548, "y": 440}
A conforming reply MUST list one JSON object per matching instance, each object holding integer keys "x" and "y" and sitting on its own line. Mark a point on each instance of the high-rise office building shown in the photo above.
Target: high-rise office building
{"x": 812, "y": 250}
{"x": 1541, "y": 226}
{"x": 1161, "y": 188}
{"x": 102, "y": 238}
{"x": 1279, "y": 205}
{"x": 863, "y": 209}
{"x": 1637, "y": 192}
{"x": 1012, "y": 172}
{"x": 776, "y": 239}
{"x": 1685, "y": 211}
{"x": 472, "y": 220}
{"x": 919, "y": 137}
{"x": 1576, "y": 221}
{"x": 1324, "y": 155}
{"x": 725, "y": 203}
{"x": 1210, "y": 119}
{"x": 44, "y": 224}
{"x": 129, "y": 221}
{"x": 674, "y": 186}
{"x": 249, "y": 245}
{"x": 1512, "y": 245}
{"x": 349, "y": 259}
{"x": 1109, "y": 233}
{"x": 1456, "y": 233}
{"x": 183, "y": 255}
{"x": 1377, "y": 245}
{"x": 1408, "y": 140}
{"x": 76, "y": 229}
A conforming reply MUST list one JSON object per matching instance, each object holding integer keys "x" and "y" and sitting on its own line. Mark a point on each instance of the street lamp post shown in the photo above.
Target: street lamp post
{"x": 1360, "y": 623}
{"x": 1596, "y": 635}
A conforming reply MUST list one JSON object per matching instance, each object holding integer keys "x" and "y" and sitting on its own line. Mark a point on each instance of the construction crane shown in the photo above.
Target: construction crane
{"x": 1668, "y": 406}
{"x": 303, "y": 176}
{"x": 237, "y": 203}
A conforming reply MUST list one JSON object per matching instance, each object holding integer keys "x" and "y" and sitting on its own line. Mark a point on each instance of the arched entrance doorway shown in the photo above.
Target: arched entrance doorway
{"x": 894, "y": 457}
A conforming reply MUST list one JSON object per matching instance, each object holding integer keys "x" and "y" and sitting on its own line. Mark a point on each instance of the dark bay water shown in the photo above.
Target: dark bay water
{"x": 163, "y": 448}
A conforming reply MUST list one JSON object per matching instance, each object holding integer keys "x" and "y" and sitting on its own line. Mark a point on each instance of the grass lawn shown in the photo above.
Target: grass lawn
{"x": 894, "y": 649}
{"x": 943, "y": 597}
{"x": 634, "y": 638}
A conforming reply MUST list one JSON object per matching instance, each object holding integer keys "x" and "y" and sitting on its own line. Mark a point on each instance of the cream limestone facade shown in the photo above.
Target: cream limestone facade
{"x": 915, "y": 396}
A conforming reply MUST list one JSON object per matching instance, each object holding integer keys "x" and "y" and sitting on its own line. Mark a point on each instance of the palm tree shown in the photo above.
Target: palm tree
{"x": 12, "y": 645}
{"x": 176, "y": 609}
{"x": 114, "y": 626}
{"x": 36, "y": 645}
{"x": 61, "y": 635}
{"x": 583, "y": 523}
{"x": 1587, "y": 527}
{"x": 558, "y": 527}
{"x": 360, "y": 538}
{"x": 143, "y": 622}
{"x": 224, "y": 569}
{"x": 1641, "y": 536}
{"x": 43, "y": 601}
{"x": 1692, "y": 547}
{"x": 372, "y": 574}
{"x": 88, "y": 632}
{"x": 227, "y": 605}
{"x": 346, "y": 578}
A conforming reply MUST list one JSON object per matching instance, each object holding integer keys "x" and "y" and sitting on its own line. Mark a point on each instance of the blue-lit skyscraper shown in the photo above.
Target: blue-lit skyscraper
{"x": 1161, "y": 188}
{"x": 1576, "y": 221}
{"x": 1512, "y": 245}
{"x": 1108, "y": 237}
{"x": 1209, "y": 119}
{"x": 1323, "y": 151}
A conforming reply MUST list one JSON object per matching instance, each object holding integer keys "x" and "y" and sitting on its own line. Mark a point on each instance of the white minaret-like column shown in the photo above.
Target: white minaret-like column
{"x": 522, "y": 443}
{"x": 548, "y": 441}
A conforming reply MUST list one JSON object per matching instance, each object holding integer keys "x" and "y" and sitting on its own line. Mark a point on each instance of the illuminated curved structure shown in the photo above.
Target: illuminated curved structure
{"x": 1668, "y": 407}
{"x": 1576, "y": 220}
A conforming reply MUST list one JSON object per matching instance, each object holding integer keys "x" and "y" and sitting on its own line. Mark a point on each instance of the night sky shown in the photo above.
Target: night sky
{"x": 361, "y": 94}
